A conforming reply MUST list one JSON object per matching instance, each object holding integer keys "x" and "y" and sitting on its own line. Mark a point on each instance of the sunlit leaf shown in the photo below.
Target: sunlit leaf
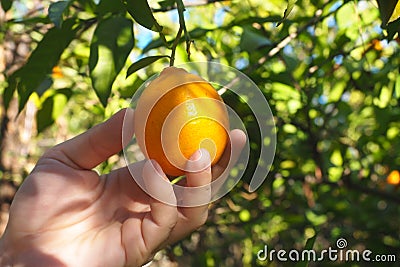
{"x": 335, "y": 173}
{"x": 144, "y": 62}
{"x": 336, "y": 158}
{"x": 346, "y": 17}
{"x": 396, "y": 13}
{"x": 289, "y": 8}
{"x": 314, "y": 218}
{"x": 244, "y": 215}
{"x": 51, "y": 108}
{"x": 397, "y": 89}
{"x": 387, "y": 10}
{"x": 111, "y": 44}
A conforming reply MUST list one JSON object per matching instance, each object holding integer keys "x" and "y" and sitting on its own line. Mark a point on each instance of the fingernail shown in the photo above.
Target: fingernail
{"x": 205, "y": 154}
{"x": 196, "y": 155}
{"x": 201, "y": 153}
{"x": 199, "y": 161}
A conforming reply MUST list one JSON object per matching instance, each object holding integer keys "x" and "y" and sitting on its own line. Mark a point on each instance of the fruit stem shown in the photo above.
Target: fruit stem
{"x": 174, "y": 45}
{"x": 181, "y": 9}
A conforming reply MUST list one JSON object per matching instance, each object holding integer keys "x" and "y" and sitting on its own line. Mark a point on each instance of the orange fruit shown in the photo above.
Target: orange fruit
{"x": 177, "y": 114}
{"x": 393, "y": 178}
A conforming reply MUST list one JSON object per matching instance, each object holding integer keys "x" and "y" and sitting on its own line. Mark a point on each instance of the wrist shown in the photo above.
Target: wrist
{"x": 23, "y": 256}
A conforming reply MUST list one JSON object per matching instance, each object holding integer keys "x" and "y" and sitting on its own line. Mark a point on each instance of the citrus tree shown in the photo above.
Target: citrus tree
{"x": 328, "y": 69}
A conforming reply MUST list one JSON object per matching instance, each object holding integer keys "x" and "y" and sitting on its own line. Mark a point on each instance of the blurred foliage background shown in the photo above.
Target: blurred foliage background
{"x": 329, "y": 70}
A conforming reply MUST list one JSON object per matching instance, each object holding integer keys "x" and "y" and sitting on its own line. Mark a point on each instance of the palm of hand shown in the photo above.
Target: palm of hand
{"x": 80, "y": 220}
{"x": 65, "y": 214}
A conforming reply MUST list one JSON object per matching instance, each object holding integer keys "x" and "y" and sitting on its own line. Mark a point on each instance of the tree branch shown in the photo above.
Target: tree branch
{"x": 191, "y": 4}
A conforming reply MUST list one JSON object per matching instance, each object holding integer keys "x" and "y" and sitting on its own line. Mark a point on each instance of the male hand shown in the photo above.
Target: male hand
{"x": 65, "y": 214}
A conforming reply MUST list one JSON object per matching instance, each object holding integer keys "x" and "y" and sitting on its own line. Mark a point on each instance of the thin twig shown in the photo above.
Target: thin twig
{"x": 181, "y": 10}
{"x": 194, "y": 4}
{"x": 174, "y": 45}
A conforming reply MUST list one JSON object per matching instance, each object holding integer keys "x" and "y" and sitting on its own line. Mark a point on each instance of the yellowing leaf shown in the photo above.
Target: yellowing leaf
{"x": 387, "y": 9}
{"x": 396, "y": 13}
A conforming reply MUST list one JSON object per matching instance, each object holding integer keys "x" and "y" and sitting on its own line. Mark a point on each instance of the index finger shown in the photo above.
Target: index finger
{"x": 92, "y": 147}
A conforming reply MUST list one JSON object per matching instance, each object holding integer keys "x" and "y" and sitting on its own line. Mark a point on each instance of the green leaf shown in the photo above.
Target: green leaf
{"x": 309, "y": 246}
{"x": 44, "y": 116}
{"x": 29, "y": 77}
{"x": 142, "y": 14}
{"x": 396, "y": 13}
{"x": 142, "y": 63}
{"x": 392, "y": 28}
{"x": 152, "y": 45}
{"x": 156, "y": 43}
{"x": 289, "y": 8}
{"x": 6, "y": 5}
{"x": 166, "y": 4}
{"x": 310, "y": 242}
{"x": 110, "y": 6}
{"x": 31, "y": 21}
{"x": 52, "y": 108}
{"x": 198, "y": 32}
{"x": 111, "y": 44}
{"x": 251, "y": 39}
{"x": 397, "y": 87}
{"x": 386, "y": 9}
{"x": 56, "y": 11}
{"x": 44, "y": 86}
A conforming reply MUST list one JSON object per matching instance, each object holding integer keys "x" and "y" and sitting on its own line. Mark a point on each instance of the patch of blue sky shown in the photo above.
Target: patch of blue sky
{"x": 311, "y": 30}
{"x": 338, "y": 59}
{"x": 378, "y": 29}
{"x": 322, "y": 99}
{"x": 241, "y": 63}
{"x": 331, "y": 22}
{"x": 345, "y": 96}
{"x": 288, "y": 50}
{"x": 143, "y": 36}
{"x": 363, "y": 5}
{"x": 219, "y": 16}
{"x": 335, "y": 6}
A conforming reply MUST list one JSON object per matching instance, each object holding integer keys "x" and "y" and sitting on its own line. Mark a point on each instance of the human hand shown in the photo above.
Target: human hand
{"x": 65, "y": 214}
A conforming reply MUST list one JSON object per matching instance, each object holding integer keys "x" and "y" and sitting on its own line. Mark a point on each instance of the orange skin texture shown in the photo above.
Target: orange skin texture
{"x": 177, "y": 114}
